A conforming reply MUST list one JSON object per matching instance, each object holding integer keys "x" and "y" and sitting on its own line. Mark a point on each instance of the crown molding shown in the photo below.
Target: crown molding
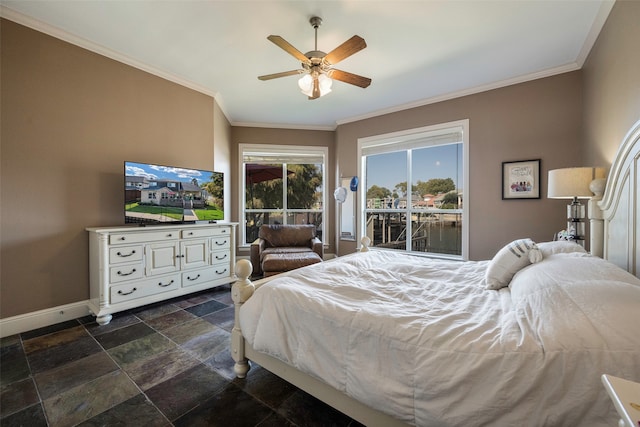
{"x": 465, "y": 92}
{"x": 594, "y": 32}
{"x": 58, "y": 33}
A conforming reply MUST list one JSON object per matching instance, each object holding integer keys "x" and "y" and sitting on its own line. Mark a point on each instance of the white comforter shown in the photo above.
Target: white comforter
{"x": 425, "y": 342}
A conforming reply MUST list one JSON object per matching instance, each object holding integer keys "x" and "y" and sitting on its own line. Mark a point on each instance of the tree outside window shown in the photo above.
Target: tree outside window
{"x": 282, "y": 187}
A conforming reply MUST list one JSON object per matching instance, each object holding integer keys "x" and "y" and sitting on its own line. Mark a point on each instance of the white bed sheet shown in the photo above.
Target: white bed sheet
{"x": 424, "y": 341}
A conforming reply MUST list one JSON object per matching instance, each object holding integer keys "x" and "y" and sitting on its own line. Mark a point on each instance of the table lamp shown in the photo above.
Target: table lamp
{"x": 573, "y": 183}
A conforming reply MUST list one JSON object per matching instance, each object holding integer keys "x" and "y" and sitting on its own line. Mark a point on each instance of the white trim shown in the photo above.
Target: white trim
{"x": 601, "y": 18}
{"x": 38, "y": 319}
{"x": 284, "y": 126}
{"x": 572, "y": 66}
{"x": 465, "y": 92}
{"x": 594, "y": 32}
{"x": 52, "y": 31}
{"x": 403, "y": 134}
{"x": 48, "y": 29}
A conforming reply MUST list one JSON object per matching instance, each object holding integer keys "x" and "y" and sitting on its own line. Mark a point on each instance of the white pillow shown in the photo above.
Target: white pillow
{"x": 562, "y": 269}
{"x": 509, "y": 260}
{"x": 559, "y": 247}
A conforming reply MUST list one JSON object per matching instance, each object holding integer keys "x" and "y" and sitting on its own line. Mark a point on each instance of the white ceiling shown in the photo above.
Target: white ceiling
{"x": 417, "y": 51}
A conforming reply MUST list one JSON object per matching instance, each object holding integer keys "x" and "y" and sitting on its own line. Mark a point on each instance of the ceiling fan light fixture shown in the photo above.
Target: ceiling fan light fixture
{"x": 325, "y": 84}
{"x": 317, "y": 66}
{"x": 306, "y": 84}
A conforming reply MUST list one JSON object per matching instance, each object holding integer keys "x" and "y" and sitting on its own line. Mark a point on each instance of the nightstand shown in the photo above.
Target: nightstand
{"x": 625, "y": 395}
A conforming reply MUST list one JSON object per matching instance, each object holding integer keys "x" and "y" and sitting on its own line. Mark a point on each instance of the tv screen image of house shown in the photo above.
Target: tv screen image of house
{"x": 156, "y": 194}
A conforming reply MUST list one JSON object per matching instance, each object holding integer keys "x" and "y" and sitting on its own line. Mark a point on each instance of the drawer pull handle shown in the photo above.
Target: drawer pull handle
{"x": 218, "y": 257}
{"x": 169, "y": 235}
{"x": 221, "y": 272}
{"x": 120, "y": 273}
{"x": 120, "y": 254}
{"x": 123, "y": 238}
{"x": 193, "y": 278}
{"x": 190, "y": 233}
{"x": 127, "y": 293}
{"x": 221, "y": 244}
{"x": 164, "y": 286}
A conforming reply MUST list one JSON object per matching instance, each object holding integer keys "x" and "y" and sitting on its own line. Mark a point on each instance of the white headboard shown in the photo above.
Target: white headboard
{"x": 619, "y": 205}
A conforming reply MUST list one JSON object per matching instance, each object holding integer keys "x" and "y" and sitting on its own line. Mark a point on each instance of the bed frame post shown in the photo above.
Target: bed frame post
{"x": 241, "y": 291}
{"x": 596, "y": 218}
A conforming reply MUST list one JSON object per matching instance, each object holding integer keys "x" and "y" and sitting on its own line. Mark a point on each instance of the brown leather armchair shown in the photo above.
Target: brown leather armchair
{"x": 280, "y": 248}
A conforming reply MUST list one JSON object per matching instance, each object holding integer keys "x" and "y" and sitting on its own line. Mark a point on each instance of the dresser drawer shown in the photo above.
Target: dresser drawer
{"x": 221, "y": 270}
{"x": 220, "y": 242}
{"x": 143, "y": 288}
{"x": 196, "y": 277}
{"x": 222, "y": 231}
{"x": 122, "y": 254}
{"x": 198, "y": 232}
{"x": 148, "y": 236}
{"x": 220, "y": 257}
{"x": 124, "y": 272}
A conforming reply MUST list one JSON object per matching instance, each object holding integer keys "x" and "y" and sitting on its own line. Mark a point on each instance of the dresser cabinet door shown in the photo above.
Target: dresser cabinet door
{"x": 194, "y": 253}
{"x": 162, "y": 258}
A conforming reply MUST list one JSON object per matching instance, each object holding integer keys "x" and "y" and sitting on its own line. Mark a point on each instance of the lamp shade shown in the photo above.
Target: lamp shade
{"x": 570, "y": 183}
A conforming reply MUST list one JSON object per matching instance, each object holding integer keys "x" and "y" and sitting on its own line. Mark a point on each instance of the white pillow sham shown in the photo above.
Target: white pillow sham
{"x": 509, "y": 260}
{"x": 564, "y": 268}
{"x": 559, "y": 247}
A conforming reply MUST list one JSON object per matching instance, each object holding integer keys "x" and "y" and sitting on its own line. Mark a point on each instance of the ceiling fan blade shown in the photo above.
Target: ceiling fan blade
{"x": 346, "y": 49}
{"x": 350, "y": 78}
{"x": 282, "y": 74}
{"x": 287, "y": 47}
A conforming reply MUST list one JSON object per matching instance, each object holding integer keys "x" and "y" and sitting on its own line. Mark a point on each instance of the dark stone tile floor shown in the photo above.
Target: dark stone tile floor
{"x": 166, "y": 364}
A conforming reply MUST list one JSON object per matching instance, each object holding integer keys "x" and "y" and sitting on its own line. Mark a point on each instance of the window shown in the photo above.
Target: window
{"x": 414, "y": 190}
{"x": 282, "y": 185}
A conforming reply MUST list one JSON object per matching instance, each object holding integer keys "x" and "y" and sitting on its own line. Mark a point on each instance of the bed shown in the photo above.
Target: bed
{"x": 395, "y": 339}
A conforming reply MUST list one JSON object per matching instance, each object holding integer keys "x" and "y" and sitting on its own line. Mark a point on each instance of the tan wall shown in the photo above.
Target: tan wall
{"x": 536, "y": 120}
{"x": 316, "y": 138}
{"x": 612, "y": 84}
{"x": 70, "y": 118}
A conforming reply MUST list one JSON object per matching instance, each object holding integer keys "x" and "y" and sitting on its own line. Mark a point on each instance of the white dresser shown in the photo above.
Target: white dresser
{"x": 133, "y": 266}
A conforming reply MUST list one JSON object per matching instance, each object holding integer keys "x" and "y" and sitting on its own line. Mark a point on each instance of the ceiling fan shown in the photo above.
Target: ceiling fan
{"x": 317, "y": 65}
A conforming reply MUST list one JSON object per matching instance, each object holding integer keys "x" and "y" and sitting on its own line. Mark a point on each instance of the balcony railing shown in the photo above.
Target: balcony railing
{"x": 437, "y": 231}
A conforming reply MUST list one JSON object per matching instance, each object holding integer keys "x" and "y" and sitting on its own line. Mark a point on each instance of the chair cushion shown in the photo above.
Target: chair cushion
{"x": 278, "y": 262}
{"x": 288, "y": 235}
{"x": 285, "y": 250}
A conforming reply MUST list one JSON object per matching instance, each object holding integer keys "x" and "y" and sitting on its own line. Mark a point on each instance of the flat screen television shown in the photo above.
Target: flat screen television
{"x": 157, "y": 194}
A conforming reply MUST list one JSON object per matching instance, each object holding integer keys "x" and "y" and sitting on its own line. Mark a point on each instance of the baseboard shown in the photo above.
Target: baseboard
{"x": 38, "y": 319}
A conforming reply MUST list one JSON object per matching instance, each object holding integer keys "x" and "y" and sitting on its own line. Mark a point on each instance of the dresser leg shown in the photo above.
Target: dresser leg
{"x": 103, "y": 320}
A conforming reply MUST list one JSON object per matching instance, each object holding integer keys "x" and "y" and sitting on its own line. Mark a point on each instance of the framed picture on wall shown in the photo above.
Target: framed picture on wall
{"x": 521, "y": 179}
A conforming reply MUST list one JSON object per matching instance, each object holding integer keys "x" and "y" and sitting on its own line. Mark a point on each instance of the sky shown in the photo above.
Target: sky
{"x": 444, "y": 161}
{"x": 168, "y": 172}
